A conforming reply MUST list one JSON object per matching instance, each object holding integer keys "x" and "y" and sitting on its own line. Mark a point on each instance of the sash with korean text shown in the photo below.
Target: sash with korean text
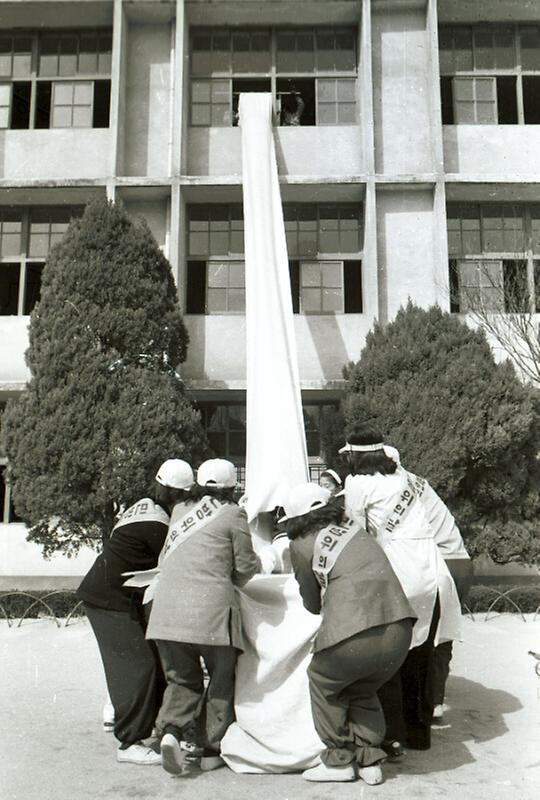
{"x": 144, "y": 510}
{"x": 409, "y": 494}
{"x": 196, "y": 518}
{"x": 183, "y": 529}
{"x": 329, "y": 543}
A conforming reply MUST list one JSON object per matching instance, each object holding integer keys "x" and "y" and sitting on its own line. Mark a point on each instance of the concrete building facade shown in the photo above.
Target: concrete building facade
{"x": 408, "y": 143}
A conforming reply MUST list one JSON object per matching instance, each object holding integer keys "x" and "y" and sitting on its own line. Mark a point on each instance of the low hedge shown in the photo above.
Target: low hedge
{"x": 62, "y": 604}
{"x": 15, "y": 603}
{"x": 480, "y": 598}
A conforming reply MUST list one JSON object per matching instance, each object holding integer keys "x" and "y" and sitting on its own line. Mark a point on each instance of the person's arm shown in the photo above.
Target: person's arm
{"x": 355, "y": 501}
{"x": 310, "y": 590}
{"x": 245, "y": 561}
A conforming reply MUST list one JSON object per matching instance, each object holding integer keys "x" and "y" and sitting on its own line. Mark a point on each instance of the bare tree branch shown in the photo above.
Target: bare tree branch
{"x": 501, "y": 305}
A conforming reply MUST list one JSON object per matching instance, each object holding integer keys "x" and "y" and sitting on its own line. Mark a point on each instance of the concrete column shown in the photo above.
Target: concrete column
{"x": 176, "y": 255}
{"x": 370, "y": 268}
{"x": 179, "y": 79}
{"x": 118, "y": 69}
{"x": 366, "y": 88}
{"x": 407, "y": 247}
{"x": 402, "y": 88}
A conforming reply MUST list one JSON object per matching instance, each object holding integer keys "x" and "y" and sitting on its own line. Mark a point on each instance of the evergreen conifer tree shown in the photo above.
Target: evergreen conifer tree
{"x": 458, "y": 418}
{"x": 104, "y": 405}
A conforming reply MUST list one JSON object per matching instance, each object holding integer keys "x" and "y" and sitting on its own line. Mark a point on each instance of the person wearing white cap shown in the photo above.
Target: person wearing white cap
{"x": 387, "y": 499}
{"x": 364, "y": 635}
{"x": 195, "y": 615}
{"x": 115, "y": 612}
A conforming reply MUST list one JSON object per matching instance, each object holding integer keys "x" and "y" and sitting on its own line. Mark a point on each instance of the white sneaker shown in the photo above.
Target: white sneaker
{"x": 138, "y": 754}
{"x": 322, "y": 773}
{"x": 177, "y": 757}
{"x": 438, "y": 711}
{"x": 371, "y": 775}
{"x": 108, "y": 717}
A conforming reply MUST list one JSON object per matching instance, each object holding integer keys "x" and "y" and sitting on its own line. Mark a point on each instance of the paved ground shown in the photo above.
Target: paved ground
{"x": 53, "y": 748}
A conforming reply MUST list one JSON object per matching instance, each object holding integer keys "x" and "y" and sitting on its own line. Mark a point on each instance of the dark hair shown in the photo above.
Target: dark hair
{"x": 327, "y": 474}
{"x": 225, "y": 494}
{"x": 372, "y": 462}
{"x": 330, "y": 514}
{"x": 168, "y": 496}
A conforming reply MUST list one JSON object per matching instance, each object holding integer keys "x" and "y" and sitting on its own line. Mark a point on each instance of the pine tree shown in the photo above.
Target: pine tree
{"x": 104, "y": 405}
{"x": 458, "y": 418}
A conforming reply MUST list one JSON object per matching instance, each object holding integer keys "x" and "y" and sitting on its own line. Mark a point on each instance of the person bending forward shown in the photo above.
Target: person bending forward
{"x": 208, "y": 551}
{"x": 364, "y": 636}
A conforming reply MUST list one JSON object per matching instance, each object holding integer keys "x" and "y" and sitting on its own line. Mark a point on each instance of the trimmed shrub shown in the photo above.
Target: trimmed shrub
{"x": 459, "y": 419}
{"x": 104, "y": 406}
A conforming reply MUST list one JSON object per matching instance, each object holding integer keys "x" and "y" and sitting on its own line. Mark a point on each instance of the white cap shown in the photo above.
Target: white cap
{"x": 175, "y": 473}
{"x": 303, "y": 498}
{"x": 217, "y": 472}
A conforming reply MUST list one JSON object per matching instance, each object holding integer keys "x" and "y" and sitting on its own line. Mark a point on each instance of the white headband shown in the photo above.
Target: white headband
{"x": 361, "y": 448}
{"x": 333, "y": 474}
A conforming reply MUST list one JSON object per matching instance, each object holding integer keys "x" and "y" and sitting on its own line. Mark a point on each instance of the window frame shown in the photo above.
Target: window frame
{"x": 273, "y": 73}
{"x": 517, "y": 71}
{"x": 35, "y": 79}
{"x": 203, "y": 407}
{"x": 319, "y": 256}
{"x": 24, "y": 258}
{"x": 529, "y": 255}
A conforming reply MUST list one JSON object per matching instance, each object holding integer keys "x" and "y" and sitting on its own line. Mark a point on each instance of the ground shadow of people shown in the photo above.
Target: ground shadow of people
{"x": 476, "y": 714}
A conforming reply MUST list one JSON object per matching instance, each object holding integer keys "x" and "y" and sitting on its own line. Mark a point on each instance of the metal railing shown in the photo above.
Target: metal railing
{"x": 35, "y": 603}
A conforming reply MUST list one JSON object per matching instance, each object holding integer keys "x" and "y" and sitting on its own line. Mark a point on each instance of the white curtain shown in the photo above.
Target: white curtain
{"x": 276, "y": 446}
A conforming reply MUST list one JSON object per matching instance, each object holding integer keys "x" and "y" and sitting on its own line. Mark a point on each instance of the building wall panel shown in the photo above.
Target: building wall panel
{"x": 333, "y": 151}
{"x": 325, "y": 344}
{"x": 48, "y": 155}
{"x": 506, "y": 150}
{"x": 13, "y": 344}
{"x": 147, "y": 123}
{"x": 155, "y": 214}
{"x": 401, "y": 97}
{"x": 407, "y": 251}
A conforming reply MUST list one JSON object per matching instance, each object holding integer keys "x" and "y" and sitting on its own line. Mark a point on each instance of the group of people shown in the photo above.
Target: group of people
{"x": 370, "y": 555}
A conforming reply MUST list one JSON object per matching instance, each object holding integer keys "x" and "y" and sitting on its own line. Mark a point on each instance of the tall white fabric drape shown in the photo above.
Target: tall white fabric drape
{"x": 276, "y": 456}
{"x": 274, "y": 729}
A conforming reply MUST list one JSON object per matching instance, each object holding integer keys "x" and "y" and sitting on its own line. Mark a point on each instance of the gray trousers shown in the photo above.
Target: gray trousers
{"x": 185, "y": 700}
{"x": 343, "y": 683}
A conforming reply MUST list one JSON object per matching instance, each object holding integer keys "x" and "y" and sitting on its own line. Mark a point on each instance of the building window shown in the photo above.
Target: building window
{"x": 26, "y": 237}
{"x": 225, "y": 426}
{"x": 324, "y": 243}
{"x": 311, "y": 73}
{"x": 494, "y": 254}
{"x": 321, "y": 287}
{"x": 55, "y": 80}
{"x": 226, "y": 287}
{"x": 490, "y": 74}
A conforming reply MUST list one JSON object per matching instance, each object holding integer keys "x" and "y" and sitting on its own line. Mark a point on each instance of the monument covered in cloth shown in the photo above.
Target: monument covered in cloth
{"x": 274, "y": 730}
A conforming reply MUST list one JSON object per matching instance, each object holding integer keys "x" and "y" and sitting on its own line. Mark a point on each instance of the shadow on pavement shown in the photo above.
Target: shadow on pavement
{"x": 476, "y": 714}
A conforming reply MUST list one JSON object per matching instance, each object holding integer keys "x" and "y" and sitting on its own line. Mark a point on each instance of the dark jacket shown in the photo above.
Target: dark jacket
{"x": 363, "y": 591}
{"x": 134, "y": 544}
